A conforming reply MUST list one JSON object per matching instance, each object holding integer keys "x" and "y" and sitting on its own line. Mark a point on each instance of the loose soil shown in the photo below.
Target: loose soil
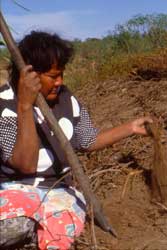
{"x": 120, "y": 175}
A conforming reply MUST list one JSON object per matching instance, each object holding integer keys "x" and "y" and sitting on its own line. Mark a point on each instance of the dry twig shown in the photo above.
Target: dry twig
{"x": 93, "y": 235}
{"x": 131, "y": 174}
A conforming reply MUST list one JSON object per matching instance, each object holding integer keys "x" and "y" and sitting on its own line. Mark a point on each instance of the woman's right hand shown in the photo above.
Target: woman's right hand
{"x": 28, "y": 87}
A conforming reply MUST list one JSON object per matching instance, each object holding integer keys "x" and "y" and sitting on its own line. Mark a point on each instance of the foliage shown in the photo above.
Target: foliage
{"x": 117, "y": 54}
{"x": 4, "y": 54}
{"x": 142, "y": 33}
{"x": 129, "y": 46}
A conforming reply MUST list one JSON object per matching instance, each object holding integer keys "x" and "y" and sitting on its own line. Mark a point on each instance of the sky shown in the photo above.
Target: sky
{"x": 73, "y": 19}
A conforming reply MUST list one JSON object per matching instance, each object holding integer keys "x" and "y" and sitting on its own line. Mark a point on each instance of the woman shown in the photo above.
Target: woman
{"x": 29, "y": 165}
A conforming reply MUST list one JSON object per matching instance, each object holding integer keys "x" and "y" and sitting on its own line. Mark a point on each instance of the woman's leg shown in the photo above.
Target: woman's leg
{"x": 59, "y": 213}
{"x": 64, "y": 216}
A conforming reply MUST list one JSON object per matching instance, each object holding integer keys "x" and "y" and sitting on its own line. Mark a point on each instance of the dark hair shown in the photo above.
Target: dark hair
{"x": 41, "y": 50}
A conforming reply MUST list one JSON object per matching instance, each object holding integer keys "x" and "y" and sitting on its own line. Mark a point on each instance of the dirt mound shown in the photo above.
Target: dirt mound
{"x": 120, "y": 175}
{"x": 154, "y": 66}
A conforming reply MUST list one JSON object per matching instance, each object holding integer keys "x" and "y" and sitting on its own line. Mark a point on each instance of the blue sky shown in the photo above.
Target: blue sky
{"x": 76, "y": 18}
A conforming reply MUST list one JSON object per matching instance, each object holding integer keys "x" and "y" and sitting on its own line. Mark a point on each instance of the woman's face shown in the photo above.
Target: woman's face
{"x": 51, "y": 82}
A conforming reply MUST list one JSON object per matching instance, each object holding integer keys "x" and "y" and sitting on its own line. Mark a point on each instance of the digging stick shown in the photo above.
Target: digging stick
{"x": 64, "y": 143}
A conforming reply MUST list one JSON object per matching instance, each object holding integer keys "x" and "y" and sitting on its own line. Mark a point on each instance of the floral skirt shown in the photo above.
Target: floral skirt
{"x": 59, "y": 213}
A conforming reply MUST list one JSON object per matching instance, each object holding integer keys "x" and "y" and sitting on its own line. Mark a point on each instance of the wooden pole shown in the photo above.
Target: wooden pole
{"x": 64, "y": 143}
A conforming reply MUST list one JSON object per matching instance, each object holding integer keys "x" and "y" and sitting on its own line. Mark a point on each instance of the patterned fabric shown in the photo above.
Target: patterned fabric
{"x": 85, "y": 133}
{"x": 60, "y": 213}
{"x": 8, "y": 132}
{"x": 72, "y": 118}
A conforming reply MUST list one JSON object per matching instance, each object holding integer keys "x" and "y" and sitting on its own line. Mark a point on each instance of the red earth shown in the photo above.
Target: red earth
{"x": 120, "y": 175}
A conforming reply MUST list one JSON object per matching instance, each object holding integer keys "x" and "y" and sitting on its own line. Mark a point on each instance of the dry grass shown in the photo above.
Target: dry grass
{"x": 3, "y": 71}
{"x": 144, "y": 66}
{"x": 151, "y": 66}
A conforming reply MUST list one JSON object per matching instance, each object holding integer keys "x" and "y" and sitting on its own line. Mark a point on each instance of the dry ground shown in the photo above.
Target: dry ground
{"x": 124, "y": 187}
{"x": 120, "y": 175}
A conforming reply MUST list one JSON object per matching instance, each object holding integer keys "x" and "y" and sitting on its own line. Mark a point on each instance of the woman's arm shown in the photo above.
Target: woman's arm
{"x": 109, "y": 136}
{"x": 26, "y": 149}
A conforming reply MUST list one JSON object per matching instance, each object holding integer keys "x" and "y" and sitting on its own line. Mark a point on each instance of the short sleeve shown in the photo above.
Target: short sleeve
{"x": 85, "y": 132}
{"x": 8, "y": 132}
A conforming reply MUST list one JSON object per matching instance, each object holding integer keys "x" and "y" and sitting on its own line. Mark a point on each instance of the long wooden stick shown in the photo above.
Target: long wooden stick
{"x": 64, "y": 143}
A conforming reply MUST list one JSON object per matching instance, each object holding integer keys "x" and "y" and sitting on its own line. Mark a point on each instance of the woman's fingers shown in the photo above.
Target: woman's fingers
{"x": 138, "y": 125}
{"x": 29, "y": 85}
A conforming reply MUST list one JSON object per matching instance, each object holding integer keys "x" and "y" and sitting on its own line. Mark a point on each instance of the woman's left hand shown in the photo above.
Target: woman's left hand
{"x": 138, "y": 125}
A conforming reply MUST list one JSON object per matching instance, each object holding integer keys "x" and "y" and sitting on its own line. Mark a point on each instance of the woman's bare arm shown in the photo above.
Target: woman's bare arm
{"x": 26, "y": 149}
{"x": 109, "y": 136}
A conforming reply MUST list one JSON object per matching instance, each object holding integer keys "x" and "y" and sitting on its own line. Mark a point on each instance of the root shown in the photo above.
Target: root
{"x": 130, "y": 175}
